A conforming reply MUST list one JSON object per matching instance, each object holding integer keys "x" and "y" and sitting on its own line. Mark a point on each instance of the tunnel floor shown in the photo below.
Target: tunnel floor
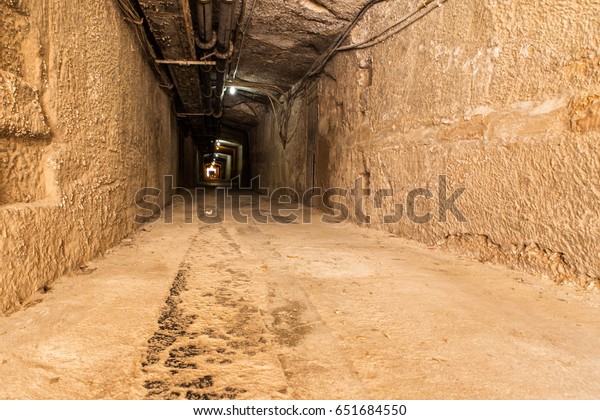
{"x": 301, "y": 311}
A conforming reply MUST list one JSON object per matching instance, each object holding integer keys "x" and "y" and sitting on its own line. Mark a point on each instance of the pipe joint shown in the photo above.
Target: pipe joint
{"x": 209, "y": 44}
{"x": 225, "y": 55}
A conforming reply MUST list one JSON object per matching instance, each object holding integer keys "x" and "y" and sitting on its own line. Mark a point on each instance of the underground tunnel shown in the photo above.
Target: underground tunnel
{"x": 300, "y": 199}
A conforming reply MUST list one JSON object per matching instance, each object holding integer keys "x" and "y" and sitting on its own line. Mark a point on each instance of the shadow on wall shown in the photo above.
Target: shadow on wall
{"x": 24, "y": 131}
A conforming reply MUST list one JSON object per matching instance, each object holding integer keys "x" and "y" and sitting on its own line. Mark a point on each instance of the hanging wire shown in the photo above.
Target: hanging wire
{"x": 244, "y": 31}
{"x": 301, "y": 88}
{"x": 284, "y": 107}
{"x": 132, "y": 16}
{"x": 319, "y": 65}
{"x": 426, "y": 7}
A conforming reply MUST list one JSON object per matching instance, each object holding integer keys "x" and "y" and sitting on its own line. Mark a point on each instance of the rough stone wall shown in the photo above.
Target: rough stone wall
{"x": 83, "y": 126}
{"x": 501, "y": 96}
{"x": 280, "y": 162}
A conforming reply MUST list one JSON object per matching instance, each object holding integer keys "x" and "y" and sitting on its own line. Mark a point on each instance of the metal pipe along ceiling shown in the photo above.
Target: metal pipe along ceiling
{"x": 205, "y": 20}
{"x": 208, "y": 39}
{"x": 225, "y": 25}
{"x": 224, "y": 50}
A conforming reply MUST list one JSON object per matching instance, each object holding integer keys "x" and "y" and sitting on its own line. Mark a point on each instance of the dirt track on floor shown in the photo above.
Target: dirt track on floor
{"x": 260, "y": 311}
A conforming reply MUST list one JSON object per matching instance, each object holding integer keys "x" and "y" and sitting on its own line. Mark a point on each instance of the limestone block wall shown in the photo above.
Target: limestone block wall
{"x": 502, "y": 97}
{"x": 83, "y": 126}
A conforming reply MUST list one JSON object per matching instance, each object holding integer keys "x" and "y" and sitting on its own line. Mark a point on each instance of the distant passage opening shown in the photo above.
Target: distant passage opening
{"x": 219, "y": 161}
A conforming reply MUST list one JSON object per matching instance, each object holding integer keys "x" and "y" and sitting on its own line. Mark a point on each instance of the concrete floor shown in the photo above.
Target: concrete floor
{"x": 303, "y": 311}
